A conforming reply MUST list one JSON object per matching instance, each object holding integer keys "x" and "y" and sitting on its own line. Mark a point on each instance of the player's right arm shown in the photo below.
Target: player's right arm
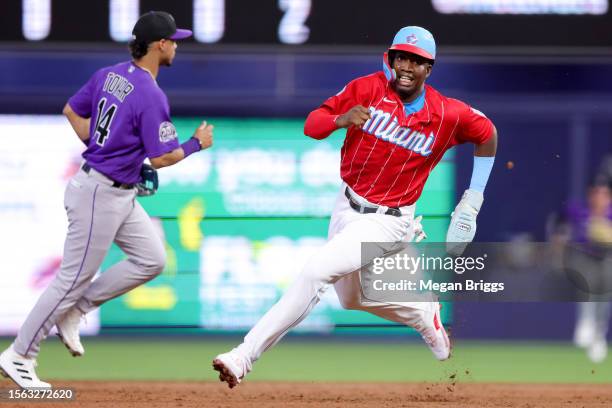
{"x": 78, "y": 109}
{"x": 78, "y": 123}
{"x": 343, "y": 110}
{"x": 320, "y": 123}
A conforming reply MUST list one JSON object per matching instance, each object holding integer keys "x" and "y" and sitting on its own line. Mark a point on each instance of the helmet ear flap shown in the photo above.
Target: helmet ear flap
{"x": 389, "y": 72}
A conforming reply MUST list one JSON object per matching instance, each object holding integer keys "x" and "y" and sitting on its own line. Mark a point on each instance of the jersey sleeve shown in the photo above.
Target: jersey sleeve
{"x": 157, "y": 131}
{"x": 320, "y": 123}
{"x": 356, "y": 92}
{"x": 474, "y": 126}
{"x": 81, "y": 102}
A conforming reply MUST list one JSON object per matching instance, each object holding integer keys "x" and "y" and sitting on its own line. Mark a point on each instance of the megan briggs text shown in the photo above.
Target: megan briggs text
{"x": 429, "y": 285}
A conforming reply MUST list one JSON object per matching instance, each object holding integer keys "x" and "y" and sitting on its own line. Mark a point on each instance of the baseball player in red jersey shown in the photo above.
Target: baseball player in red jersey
{"x": 398, "y": 129}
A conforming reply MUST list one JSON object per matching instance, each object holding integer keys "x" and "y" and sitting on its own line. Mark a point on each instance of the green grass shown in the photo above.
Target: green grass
{"x": 301, "y": 360}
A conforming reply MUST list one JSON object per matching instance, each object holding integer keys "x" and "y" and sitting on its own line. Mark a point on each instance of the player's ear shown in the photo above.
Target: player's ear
{"x": 429, "y": 68}
{"x": 162, "y": 44}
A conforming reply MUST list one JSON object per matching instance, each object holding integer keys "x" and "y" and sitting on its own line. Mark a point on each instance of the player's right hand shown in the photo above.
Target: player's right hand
{"x": 356, "y": 116}
{"x": 204, "y": 134}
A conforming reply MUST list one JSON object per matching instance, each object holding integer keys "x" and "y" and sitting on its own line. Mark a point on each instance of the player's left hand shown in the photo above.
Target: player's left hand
{"x": 149, "y": 181}
{"x": 204, "y": 134}
{"x": 462, "y": 228}
{"x": 417, "y": 229}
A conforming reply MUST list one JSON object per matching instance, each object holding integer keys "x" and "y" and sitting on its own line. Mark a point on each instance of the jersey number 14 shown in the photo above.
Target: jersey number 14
{"x": 103, "y": 122}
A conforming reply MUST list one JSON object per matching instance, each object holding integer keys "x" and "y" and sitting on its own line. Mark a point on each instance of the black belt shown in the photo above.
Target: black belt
{"x": 362, "y": 209}
{"x": 124, "y": 186}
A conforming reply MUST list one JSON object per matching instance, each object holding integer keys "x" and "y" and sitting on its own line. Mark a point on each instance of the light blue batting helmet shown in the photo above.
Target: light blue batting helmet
{"x": 412, "y": 39}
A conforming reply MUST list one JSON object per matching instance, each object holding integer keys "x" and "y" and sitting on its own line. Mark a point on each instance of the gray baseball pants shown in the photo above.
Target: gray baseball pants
{"x": 98, "y": 214}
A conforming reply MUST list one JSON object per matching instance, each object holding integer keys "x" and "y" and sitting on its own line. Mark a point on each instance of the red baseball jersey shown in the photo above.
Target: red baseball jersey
{"x": 388, "y": 160}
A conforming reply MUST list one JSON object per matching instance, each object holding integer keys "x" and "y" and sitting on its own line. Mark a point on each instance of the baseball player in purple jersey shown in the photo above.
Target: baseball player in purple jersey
{"x": 123, "y": 117}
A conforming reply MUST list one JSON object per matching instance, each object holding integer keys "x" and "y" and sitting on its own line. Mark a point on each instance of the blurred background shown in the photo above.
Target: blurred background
{"x": 240, "y": 220}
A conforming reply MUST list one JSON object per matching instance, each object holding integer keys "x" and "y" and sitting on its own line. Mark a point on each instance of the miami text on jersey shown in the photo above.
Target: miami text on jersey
{"x": 385, "y": 127}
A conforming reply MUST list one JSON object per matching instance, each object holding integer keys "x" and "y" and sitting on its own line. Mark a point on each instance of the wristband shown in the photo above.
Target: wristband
{"x": 480, "y": 173}
{"x": 191, "y": 146}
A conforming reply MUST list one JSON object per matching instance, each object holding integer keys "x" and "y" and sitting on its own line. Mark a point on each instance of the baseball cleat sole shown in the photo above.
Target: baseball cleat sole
{"x": 225, "y": 374}
{"x": 6, "y": 375}
{"x": 449, "y": 343}
{"x": 74, "y": 353}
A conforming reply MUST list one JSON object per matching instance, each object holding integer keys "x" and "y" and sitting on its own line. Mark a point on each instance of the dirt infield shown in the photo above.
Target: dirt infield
{"x": 297, "y": 395}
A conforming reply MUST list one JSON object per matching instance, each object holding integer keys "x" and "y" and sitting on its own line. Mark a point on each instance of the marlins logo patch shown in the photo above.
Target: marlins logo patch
{"x": 167, "y": 132}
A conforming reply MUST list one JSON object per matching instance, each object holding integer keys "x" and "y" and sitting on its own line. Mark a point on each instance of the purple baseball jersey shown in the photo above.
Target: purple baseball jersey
{"x": 130, "y": 120}
{"x": 578, "y": 215}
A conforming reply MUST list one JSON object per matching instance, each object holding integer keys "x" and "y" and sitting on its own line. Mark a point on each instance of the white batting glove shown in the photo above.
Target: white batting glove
{"x": 417, "y": 228}
{"x": 462, "y": 228}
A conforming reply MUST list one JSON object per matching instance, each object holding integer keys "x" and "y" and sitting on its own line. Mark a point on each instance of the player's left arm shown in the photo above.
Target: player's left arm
{"x": 194, "y": 144}
{"x": 78, "y": 123}
{"x": 488, "y": 148}
{"x": 479, "y": 130}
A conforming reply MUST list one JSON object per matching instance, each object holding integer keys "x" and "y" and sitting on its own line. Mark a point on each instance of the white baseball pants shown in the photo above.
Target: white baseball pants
{"x": 337, "y": 262}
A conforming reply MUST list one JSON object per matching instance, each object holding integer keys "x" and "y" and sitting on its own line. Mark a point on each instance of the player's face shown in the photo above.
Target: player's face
{"x": 168, "y": 51}
{"x": 412, "y": 71}
{"x": 600, "y": 199}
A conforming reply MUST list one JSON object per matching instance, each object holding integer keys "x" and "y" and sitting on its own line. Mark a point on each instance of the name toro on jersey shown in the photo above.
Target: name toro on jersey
{"x": 388, "y": 160}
